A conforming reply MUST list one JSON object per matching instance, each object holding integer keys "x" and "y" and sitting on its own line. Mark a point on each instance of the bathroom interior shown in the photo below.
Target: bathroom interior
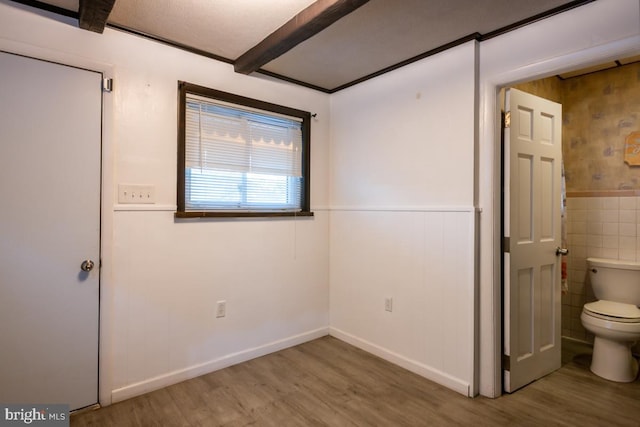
{"x": 601, "y": 108}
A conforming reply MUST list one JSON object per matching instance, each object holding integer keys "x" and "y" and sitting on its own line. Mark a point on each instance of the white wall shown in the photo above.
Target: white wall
{"x": 398, "y": 138}
{"x": 402, "y": 219}
{"x": 591, "y": 34}
{"x": 161, "y": 277}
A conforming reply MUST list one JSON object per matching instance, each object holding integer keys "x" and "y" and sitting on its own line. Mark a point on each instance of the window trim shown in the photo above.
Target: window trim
{"x": 185, "y": 88}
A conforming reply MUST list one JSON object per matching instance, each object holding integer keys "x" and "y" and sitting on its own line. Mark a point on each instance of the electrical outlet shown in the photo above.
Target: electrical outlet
{"x": 129, "y": 193}
{"x": 388, "y": 304}
{"x": 221, "y": 308}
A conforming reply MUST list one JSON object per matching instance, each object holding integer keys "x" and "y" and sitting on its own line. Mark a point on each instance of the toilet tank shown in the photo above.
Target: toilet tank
{"x": 615, "y": 280}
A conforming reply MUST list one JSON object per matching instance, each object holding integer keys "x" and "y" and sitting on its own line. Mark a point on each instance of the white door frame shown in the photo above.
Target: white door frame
{"x": 106, "y": 210}
{"x": 489, "y": 179}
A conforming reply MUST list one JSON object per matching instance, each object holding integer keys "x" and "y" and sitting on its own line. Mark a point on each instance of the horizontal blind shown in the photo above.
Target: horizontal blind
{"x": 241, "y": 159}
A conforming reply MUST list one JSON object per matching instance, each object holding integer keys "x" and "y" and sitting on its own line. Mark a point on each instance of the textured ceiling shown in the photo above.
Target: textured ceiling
{"x": 386, "y": 32}
{"x": 379, "y": 35}
{"x": 225, "y": 28}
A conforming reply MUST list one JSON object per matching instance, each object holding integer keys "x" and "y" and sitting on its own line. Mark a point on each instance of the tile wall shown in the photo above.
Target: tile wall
{"x": 604, "y": 226}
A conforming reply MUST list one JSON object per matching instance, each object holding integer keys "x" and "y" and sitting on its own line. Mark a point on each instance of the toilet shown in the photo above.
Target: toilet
{"x": 615, "y": 318}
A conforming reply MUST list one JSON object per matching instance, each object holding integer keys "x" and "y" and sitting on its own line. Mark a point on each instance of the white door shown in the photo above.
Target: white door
{"x": 50, "y": 143}
{"x": 532, "y": 305}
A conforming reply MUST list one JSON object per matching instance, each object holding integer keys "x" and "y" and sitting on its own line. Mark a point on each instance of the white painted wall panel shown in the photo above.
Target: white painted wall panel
{"x": 398, "y": 138}
{"x": 274, "y": 288}
{"x": 458, "y": 294}
{"x": 377, "y": 255}
{"x": 402, "y": 147}
{"x": 424, "y": 261}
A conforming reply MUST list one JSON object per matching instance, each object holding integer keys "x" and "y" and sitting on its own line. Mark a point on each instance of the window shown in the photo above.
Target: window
{"x": 239, "y": 156}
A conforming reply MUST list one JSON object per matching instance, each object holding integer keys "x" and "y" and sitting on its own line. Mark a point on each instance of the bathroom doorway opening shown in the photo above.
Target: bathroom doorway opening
{"x": 603, "y": 201}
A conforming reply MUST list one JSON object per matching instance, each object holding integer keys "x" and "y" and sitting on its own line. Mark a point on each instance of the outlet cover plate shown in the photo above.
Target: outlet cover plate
{"x": 221, "y": 308}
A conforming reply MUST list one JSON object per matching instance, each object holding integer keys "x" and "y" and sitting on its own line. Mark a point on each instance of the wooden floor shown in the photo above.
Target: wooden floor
{"x": 327, "y": 382}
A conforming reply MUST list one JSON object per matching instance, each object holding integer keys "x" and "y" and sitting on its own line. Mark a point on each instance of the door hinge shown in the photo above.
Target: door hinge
{"x": 506, "y": 244}
{"x": 507, "y": 119}
{"x": 506, "y": 362}
{"x": 107, "y": 85}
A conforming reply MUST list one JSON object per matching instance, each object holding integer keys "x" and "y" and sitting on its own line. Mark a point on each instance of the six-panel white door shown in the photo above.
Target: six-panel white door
{"x": 50, "y": 157}
{"x": 532, "y": 301}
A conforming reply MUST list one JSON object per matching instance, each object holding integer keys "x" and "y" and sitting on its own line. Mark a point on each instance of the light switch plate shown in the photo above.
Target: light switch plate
{"x": 130, "y": 193}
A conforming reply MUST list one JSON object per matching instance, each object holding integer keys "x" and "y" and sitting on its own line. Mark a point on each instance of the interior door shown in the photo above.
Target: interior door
{"x": 532, "y": 166}
{"x": 50, "y": 157}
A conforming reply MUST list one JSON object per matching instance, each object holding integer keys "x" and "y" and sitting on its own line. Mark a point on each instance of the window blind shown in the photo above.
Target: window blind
{"x": 239, "y": 158}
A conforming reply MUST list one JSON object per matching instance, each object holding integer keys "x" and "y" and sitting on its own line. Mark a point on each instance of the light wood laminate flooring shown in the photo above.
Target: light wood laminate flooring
{"x": 327, "y": 382}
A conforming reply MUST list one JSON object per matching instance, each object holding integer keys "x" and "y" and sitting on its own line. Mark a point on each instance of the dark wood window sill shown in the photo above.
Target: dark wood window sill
{"x": 207, "y": 214}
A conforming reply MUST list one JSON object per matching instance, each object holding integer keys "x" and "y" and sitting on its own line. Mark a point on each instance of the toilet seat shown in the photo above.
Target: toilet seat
{"x": 613, "y": 311}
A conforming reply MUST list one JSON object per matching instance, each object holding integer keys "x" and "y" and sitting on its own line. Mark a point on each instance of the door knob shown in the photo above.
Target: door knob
{"x": 87, "y": 265}
{"x": 562, "y": 251}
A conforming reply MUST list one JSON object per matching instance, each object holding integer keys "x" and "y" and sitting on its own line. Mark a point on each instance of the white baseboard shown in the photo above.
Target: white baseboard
{"x": 425, "y": 371}
{"x": 174, "y": 377}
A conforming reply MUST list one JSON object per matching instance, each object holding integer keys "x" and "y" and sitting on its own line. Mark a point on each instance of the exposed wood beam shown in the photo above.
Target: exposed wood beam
{"x": 305, "y": 24}
{"x": 94, "y": 14}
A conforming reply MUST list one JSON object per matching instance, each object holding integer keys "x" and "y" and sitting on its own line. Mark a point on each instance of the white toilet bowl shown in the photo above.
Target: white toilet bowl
{"x": 616, "y": 327}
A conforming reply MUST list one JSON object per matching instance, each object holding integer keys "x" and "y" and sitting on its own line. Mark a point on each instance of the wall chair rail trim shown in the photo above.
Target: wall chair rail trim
{"x": 348, "y": 208}
{"x": 604, "y": 193}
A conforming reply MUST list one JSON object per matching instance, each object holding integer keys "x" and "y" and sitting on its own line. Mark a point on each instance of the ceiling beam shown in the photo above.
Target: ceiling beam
{"x": 305, "y": 24}
{"x": 94, "y": 14}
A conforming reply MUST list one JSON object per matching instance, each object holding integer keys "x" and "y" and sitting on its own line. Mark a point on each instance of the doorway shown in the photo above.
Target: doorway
{"x": 602, "y": 215}
{"x": 498, "y": 68}
{"x": 50, "y": 180}
{"x": 601, "y": 184}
